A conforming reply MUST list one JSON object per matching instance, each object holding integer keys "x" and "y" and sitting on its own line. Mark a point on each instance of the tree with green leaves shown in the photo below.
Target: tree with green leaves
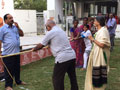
{"x": 38, "y": 5}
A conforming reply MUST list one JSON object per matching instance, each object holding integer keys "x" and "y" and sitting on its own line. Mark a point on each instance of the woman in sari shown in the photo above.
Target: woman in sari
{"x": 97, "y": 70}
{"x": 77, "y": 44}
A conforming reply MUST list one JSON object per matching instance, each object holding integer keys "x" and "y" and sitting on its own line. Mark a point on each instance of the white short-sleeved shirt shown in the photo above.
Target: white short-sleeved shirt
{"x": 59, "y": 44}
{"x": 86, "y": 40}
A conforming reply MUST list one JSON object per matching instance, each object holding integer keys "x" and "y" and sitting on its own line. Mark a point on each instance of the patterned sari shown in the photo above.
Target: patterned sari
{"x": 98, "y": 65}
{"x": 79, "y": 47}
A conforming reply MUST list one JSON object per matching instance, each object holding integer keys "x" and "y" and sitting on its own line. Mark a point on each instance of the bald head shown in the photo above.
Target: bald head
{"x": 50, "y": 24}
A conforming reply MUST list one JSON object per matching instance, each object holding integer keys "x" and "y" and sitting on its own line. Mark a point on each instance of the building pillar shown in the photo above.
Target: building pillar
{"x": 55, "y": 10}
{"x": 75, "y": 6}
{"x": 59, "y": 11}
{"x": 80, "y": 11}
{"x": 118, "y": 9}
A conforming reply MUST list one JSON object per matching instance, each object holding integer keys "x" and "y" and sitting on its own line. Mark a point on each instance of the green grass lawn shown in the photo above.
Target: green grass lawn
{"x": 38, "y": 75}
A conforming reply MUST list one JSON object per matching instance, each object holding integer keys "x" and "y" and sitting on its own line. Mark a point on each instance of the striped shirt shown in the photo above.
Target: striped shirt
{"x": 10, "y": 39}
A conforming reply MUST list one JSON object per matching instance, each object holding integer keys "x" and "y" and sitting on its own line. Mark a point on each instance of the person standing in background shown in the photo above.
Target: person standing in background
{"x": 1, "y": 22}
{"x": 112, "y": 24}
{"x": 106, "y": 18}
{"x": 1, "y": 73}
{"x": 92, "y": 27}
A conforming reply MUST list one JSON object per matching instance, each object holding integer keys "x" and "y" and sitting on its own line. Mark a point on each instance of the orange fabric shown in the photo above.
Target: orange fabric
{"x": 117, "y": 19}
{"x": 1, "y": 22}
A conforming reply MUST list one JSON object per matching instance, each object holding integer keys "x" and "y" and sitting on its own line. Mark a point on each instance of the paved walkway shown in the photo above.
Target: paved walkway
{"x": 29, "y": 41}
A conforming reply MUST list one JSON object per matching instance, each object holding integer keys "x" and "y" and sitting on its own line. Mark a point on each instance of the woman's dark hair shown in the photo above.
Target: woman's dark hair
{"x": 5, "y": 16}
{"x": 92, "y": 19}
{"x": 75, "y": 20}
{"x": 101, "y": 20}
{"x": 86, "y": 26}
{"x": 85, "y": 18}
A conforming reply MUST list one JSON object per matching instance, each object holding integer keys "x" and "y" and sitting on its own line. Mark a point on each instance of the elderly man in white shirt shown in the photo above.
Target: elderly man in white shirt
{"x": 64, "y": 55}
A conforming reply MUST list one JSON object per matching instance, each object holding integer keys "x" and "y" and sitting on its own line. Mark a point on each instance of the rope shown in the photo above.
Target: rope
{"x": 76, "y": 39}
{"x": 14, "y": 55}
{"x": 9, "y": 56}
{"x": 6, "y": 66}
{"x": 19, "y": 53}
{"x": 30, "y": 45}
{"x": 8, "y": 71}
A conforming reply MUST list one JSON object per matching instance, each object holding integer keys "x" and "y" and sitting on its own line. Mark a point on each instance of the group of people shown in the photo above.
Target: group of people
{"x": 69, "y": 55}
{"x": 80, "y": 42}
{"x": 79, "y": 38}
{"x": 89, "y": 47}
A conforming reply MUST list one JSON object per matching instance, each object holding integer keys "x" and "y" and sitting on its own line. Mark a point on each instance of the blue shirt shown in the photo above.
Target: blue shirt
{"x": 10, "y": 39}
{"x": 72, "y": 30}
{"x": 112, "y": 24}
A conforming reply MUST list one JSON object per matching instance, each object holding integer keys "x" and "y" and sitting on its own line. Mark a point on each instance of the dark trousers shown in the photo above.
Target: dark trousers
{"x": 13, "y": 65}
{"x": 1, "y": 75}
{"x": 59, "y": 72}
{"x": 112, "y": 37}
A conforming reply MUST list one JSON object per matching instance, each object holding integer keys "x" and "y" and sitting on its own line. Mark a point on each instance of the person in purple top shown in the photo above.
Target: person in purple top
{"x": 112, "y": 24}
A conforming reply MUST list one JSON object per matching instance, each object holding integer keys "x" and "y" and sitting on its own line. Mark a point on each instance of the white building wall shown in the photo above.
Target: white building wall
{"x": 59, "y": 11}
{"x": 6, "y": 6}
{"x": 50, "y": 4}
{"x": 118, "y": 31}
{"x": 26, "y": 20}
